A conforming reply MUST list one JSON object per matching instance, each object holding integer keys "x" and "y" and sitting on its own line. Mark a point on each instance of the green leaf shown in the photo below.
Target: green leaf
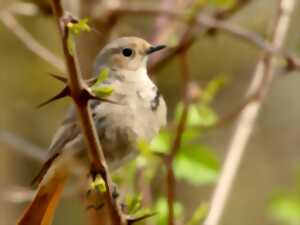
{"x": 285, "y": 209}
{"x": 196, "y": 164}
{"x": 162, "y": 142}
{"x": 102, "y": 91}
{"x": 98, "y": 88}
{"x": 207, "y": 115}
{"x": 193, "y": 117}
{"x": 161, "y": 207}
{"x": 199, "y": 214}
{"x": 80, "y": 26}
{"x": 198, "y": 115}
{"x": 102, "y": 76}
{"x": 190, "y": 134}
{"x": 144, "y": 148}
{"x": 74, "y": 30}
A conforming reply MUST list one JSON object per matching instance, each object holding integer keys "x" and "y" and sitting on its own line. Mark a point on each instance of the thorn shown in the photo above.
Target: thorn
{"x": 58, "y": 77}
{"x": 64, "y": 93}
{"x": 137, "y": 219}
{"x": 90, "y": 81}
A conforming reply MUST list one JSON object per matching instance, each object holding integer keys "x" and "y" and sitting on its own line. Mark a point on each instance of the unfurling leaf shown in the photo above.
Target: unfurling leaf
{"x": 78, "y": 27}
{"x": 98, "y": 184}
{"x": 100, "y": 89}
{"x": 74, "y": 30}
{"x": 102, "y": 76}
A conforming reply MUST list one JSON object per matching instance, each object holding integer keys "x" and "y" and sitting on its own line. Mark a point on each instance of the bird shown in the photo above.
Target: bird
{"x": 138, "y": 113}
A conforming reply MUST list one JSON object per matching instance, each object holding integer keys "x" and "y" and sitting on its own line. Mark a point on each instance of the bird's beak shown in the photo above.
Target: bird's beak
{"x": 155, "y": 49}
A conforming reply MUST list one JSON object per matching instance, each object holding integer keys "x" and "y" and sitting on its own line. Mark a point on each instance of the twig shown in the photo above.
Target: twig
{"x": 30, "y": 42}
{"x": 23, "y": 147}
{"x": 186, "y": 41}
{"x": 250, "y": 37}
{"x": 262, "y": 79}
{"x": 170, "y": 179}
{"x": 80, "y": 96}
{"x": 206, "y": 23}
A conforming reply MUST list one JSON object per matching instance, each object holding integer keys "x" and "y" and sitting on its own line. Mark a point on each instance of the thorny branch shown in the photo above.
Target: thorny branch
{"x": 263, "y": 76}
{"x": 80, "y": 97}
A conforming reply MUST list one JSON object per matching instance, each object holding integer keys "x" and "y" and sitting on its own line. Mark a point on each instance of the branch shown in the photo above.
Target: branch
{"x": 80, "y": 95}
{"x": 170, "y": 179}
{"x": 30, "y": 42}
{"x": 205, "y": 24}
{"x": 23, "y": 8}
{"x": 23, "y": 147}
{"x": 187, "y": 39}
{"x": 250, "y": 37}
{"x": 263, "y": 76}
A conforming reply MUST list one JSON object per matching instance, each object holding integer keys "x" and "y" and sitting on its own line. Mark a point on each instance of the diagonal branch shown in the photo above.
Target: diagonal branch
{"x": 263, "y": 76}
{"x": 22, "y": 146}
{"x": 78, "y": 91}
{"x": 30, "y": 42}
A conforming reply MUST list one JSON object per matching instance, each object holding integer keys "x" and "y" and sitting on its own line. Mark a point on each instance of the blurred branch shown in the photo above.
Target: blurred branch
{"x": 23, "y": 147}
{"x": 160, "y": 27}
{"x": 207, "y": 23}
{"x": 30, "y": 42}
{"x": 18, "y": 194}
{"x": 23, "y": 8}
{"x": 81, "y": 96}
{"x": 262, "y": 79}
{"x": 188, "y": 37}
{"x": 251, "y": 37}
{"x": 170, "y": 179}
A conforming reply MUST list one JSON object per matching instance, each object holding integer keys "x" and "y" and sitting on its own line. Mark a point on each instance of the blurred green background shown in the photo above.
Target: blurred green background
{"x": 271, "y": 162}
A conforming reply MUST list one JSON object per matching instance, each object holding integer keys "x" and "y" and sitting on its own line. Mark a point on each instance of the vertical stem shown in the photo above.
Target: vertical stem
{"x": 170, "y": 178}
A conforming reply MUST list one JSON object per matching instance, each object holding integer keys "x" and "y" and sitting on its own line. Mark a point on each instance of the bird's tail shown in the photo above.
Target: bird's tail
{"x": 42, "y": 208}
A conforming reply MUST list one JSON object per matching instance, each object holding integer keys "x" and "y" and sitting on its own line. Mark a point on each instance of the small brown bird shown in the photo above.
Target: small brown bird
{"x": 138, "y": 115}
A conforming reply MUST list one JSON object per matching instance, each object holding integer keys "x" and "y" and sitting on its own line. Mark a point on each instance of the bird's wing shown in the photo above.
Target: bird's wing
{"x": 66, "y": 133}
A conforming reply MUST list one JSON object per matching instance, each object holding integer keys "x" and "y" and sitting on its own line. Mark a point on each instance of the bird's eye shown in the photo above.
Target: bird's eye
{"x": 127, "y": 52}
